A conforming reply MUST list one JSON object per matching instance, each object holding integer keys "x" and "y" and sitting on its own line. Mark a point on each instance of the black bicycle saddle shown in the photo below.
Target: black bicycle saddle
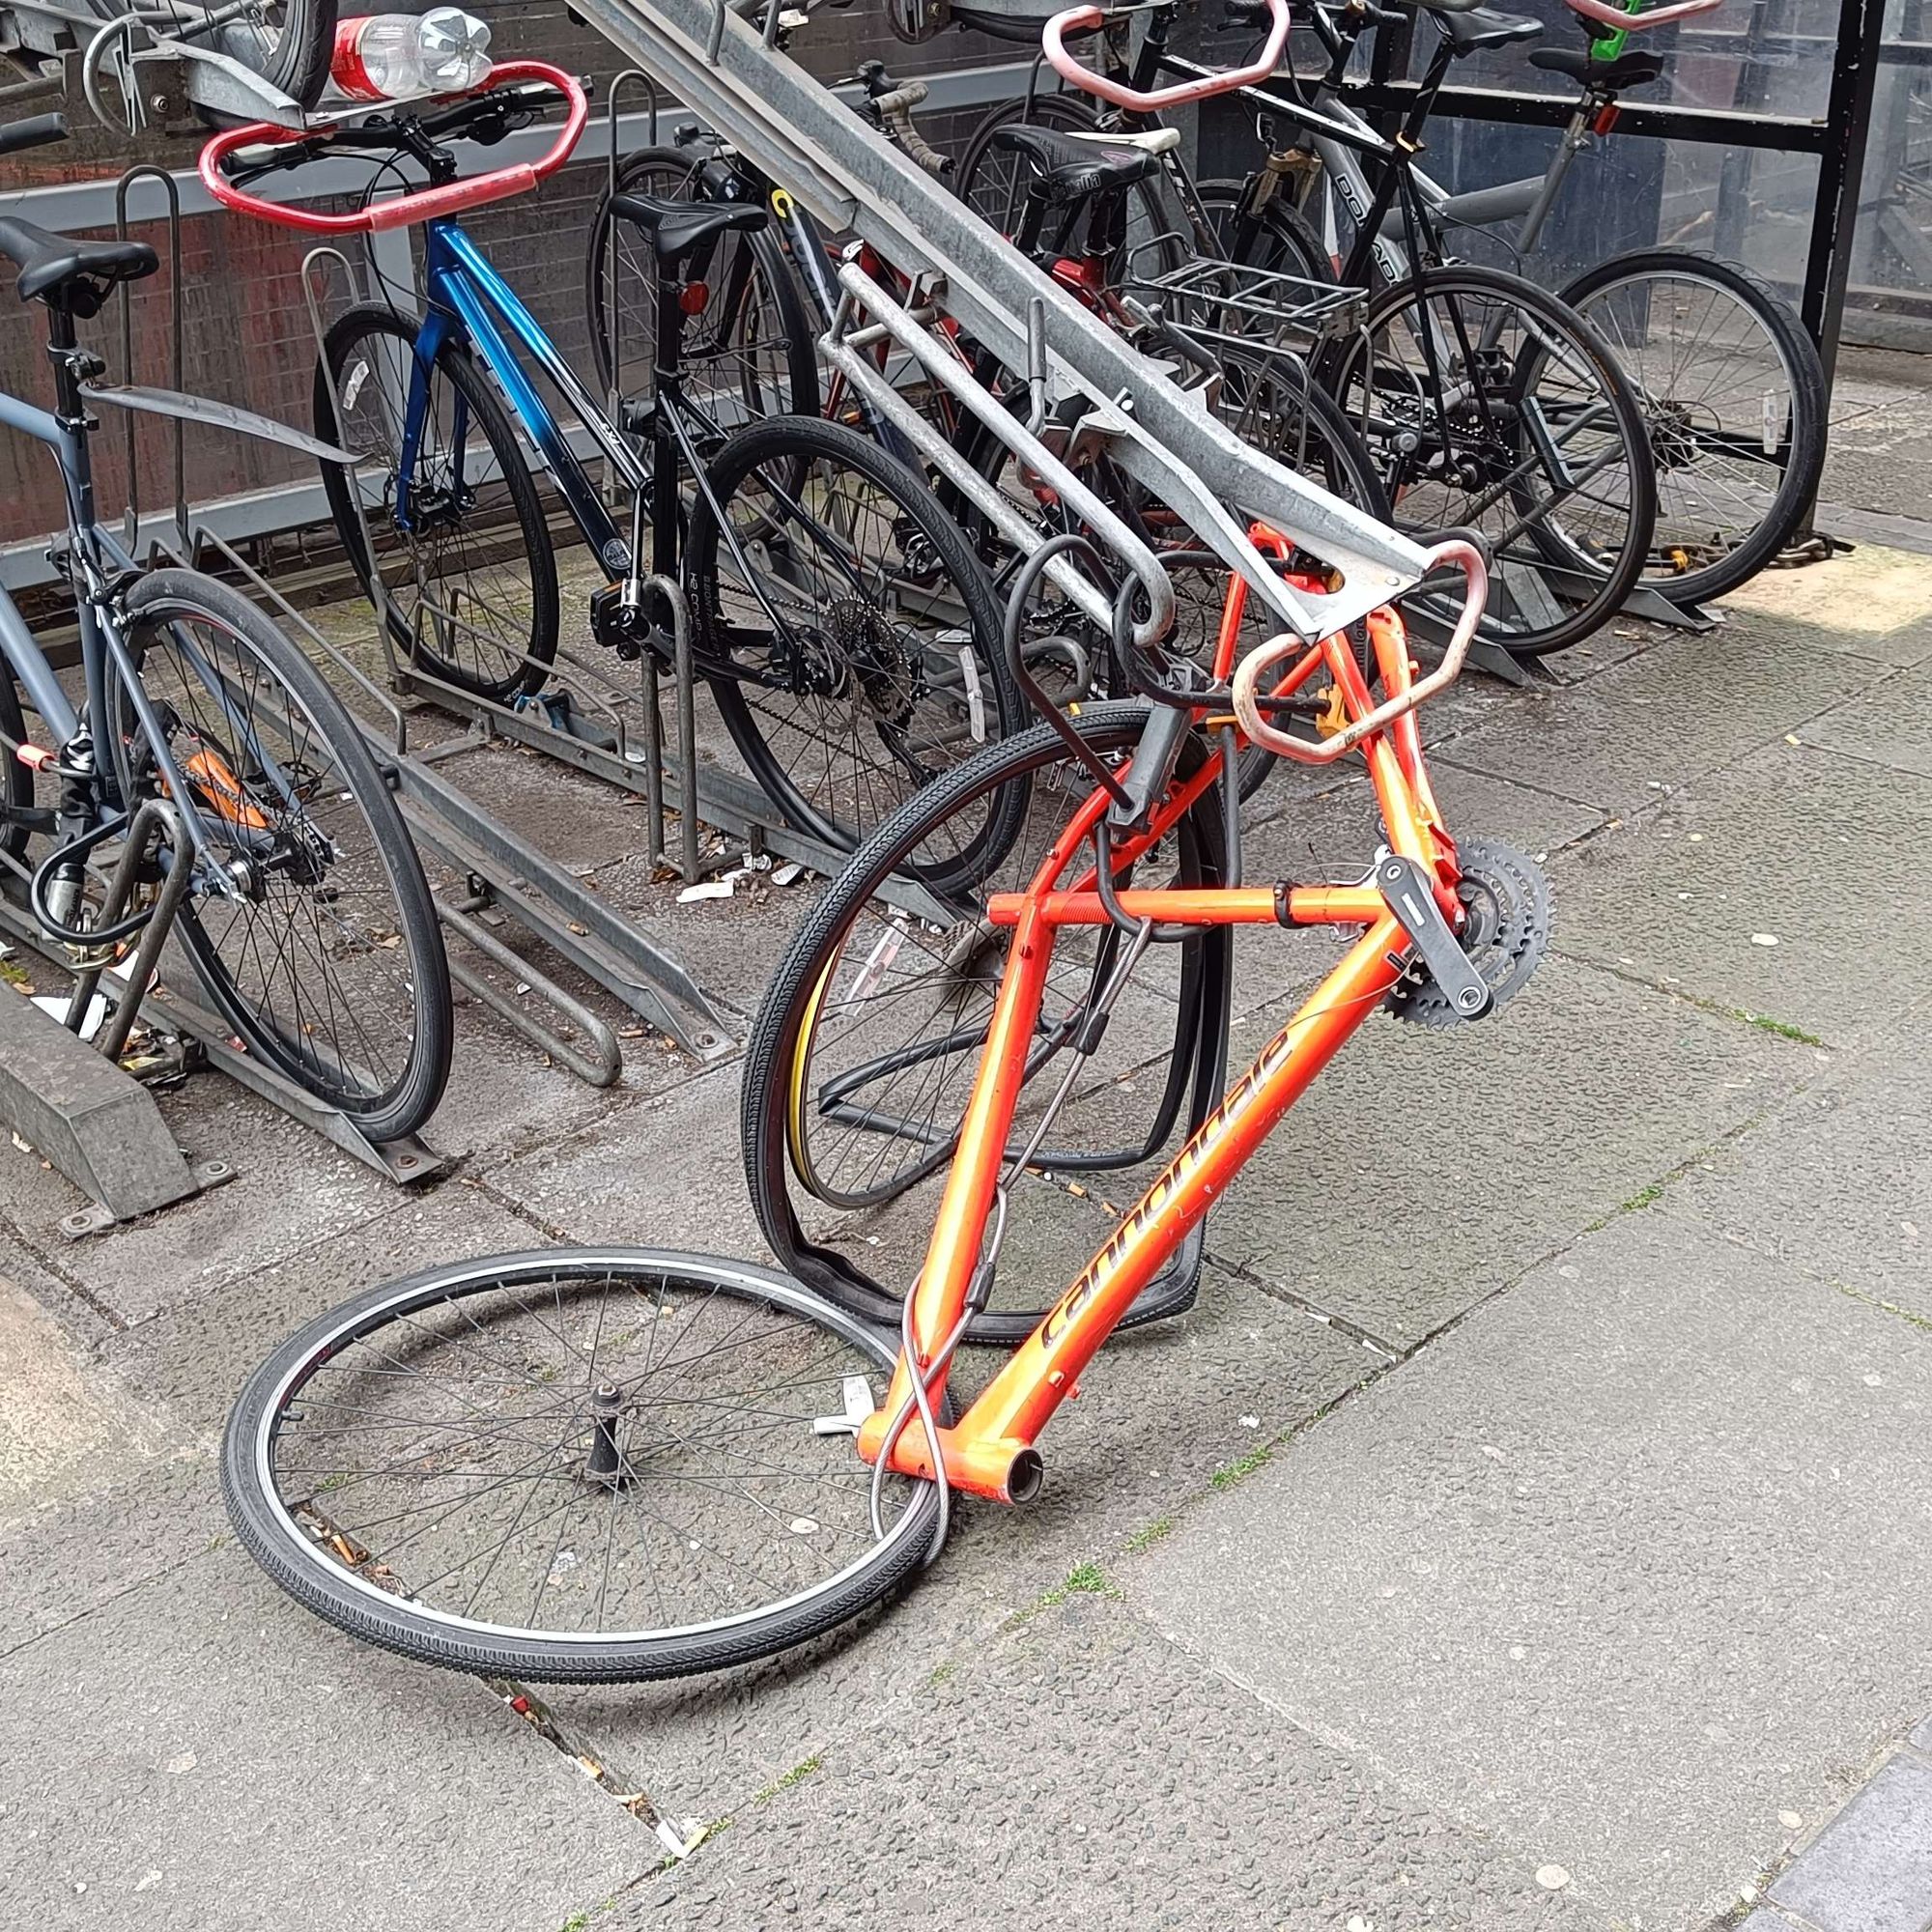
{"x": 680, "y": 228}
{"x": 52, "y": 263}
{"x": 1073, "y": 169}
{"x": 1635, "y": 68}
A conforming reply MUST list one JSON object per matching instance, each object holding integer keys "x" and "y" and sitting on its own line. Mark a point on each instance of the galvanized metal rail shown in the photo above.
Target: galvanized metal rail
{"x": 799, "y": 134}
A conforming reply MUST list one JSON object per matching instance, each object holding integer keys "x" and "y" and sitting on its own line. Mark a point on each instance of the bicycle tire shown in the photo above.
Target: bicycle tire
{"x": 515, "y": 657}
{"x": 350, "y": 1599}
{"x": 1593, "y": 294}
{"x": 1293, "y": 247}
{"x": 884, "y": 656}
{"x": 778, "y": 1051}
{"x": 671, "y": 173}
{"x": 283, "y": 1035}
{"x": 296, "y": 61}
{"x": 1603, "y": 579}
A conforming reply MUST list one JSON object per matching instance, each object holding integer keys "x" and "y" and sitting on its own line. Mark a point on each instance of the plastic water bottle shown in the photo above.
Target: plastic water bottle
{"x": 392, "y": 56}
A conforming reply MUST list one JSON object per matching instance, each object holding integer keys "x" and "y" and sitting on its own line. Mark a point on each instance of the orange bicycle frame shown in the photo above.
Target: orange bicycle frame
{"x": 989, "y": 1451}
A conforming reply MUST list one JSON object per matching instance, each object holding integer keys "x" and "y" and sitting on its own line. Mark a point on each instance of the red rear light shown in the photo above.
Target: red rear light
{"x": 693, "y": 296}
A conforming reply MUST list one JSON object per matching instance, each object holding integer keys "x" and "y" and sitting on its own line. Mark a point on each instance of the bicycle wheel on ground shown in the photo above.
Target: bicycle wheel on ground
{"x": 748, "y": 352}
{"x": 867, "y": 1042}
{"x": 464, "y": 555}
{"x": 318, "y": 940}
{"x": 589, "y": 1466}
{"x": 851, "y": 637}
{"x": 1491, "y": 407}
{"x": 1734, "y": 395}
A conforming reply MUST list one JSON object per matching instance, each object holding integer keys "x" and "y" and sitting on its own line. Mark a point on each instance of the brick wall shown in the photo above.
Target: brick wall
{"x": 246, "y": 329}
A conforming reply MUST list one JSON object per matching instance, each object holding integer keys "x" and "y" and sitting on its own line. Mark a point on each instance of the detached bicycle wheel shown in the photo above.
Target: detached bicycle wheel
{"x": 589, "y": 1466}
{"x": 463, "y": 551}
{"x": 318, "y": 940}
{"x": 1732, "y": 389}
{"x": 850, "y": 635}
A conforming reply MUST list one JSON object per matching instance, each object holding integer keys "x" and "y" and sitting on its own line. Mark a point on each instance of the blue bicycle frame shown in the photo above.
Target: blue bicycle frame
{"x": 468, "y": 300}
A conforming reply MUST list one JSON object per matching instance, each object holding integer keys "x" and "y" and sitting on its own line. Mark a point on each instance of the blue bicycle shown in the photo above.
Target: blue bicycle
{"x": 847, "y": 632}
{"x": 306, "y": 916}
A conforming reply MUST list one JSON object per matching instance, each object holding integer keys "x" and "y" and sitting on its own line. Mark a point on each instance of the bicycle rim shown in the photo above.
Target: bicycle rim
{"x": 585, "y": 1466}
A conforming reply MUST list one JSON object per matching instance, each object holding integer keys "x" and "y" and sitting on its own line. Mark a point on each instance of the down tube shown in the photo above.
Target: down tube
{"x": 1019, "y": 1401}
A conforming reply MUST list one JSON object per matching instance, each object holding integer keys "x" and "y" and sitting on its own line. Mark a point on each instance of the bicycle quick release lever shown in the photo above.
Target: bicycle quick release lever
{"x": 1406, "y": 892}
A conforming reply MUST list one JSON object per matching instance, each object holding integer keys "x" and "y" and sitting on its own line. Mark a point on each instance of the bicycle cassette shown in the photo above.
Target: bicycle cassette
{"x": 1506, "y": 932}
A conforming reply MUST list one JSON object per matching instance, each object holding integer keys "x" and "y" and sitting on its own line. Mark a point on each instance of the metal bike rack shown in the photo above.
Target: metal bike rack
{"x": 798, "y": 132}
{"x": 67, "y": 1096}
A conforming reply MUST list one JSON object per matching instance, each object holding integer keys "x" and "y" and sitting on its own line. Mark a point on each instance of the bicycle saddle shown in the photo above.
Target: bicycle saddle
{"x": 50, "y": 263}
{"x": 680, "y": 228}
{"x": 1072, "y": 167}
{"x": 1635, "y": 68}
{"x": 1472, "y": 27}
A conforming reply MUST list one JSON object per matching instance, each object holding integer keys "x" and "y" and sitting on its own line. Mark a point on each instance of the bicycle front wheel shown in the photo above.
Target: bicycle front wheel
{"x": 288, "y": 42}
{"x": 867, "y": 1042}
{"x": 591, "y": 1465}
{"x": 851, "y": 635}
{"x": 310, "y": 921}
{"x": 1491, "y": 406}
{"x": 463, "y": 550}
{"x": 1734, "y": 395}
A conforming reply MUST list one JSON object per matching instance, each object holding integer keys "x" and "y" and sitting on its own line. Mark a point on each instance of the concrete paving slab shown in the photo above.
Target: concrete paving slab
{"x": 1666, "y": 717}
{"x": 66, "y": 1425}
{"x": 1425, "y": 1170}
{"x": 1636, "y": 1559}
{"x": 62, "y": 1560}
{"x": 1860, "y": 1144}
{"x": 1890, "y": 725}
{"x": 291, "y": 1190}
{"x": 194, "y": 1361}
{"x": 202, "y": 1756}
{"x": 1079, "y": 1771}
{"x": 1871, "y": 1870}
{"x": 1874, "y": 601}
{"x": 1820, "y": 855}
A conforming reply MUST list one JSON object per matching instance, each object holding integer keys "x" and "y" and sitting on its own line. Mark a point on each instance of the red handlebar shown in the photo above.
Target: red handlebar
{"x": 423, "y": 204}
{"x": 1079, "y": 19}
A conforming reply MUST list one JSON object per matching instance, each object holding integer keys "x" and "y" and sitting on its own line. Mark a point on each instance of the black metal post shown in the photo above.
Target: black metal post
{"x": 1840, "y": 173}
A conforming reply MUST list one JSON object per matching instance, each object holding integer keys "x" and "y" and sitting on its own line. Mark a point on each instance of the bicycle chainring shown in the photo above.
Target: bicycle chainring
{"x": 1506, "y": 932}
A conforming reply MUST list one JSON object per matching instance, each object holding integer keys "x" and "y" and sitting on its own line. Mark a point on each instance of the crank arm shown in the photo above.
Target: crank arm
{"x": 1406, "y": 892}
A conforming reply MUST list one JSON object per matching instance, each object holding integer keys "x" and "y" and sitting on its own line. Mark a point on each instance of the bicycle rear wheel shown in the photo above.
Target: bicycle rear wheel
{"x": 1489, "y": 406}
{"x": 851, "y": 637}
{"x": 1734, "y": 395}
{"x": 867, "y": 1042}
{"x": 471, "y": 580}
{"x": 589, "y": 1466}
{"x": 288, "y": 42}
{"x": 748, "y": 352}
{"x": 320, "y": 943}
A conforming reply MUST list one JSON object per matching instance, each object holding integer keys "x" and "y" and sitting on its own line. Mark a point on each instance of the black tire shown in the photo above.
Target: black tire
{"x": 292, "y": 52}
{"x": 1701, "y": 448}
{"x": 866, "y": 694}
{"x": 475, "y": 559}
{"x": 990, "y": 182}
{"x": 1285, "y": 242}
{"x": 1504, "y": 437}
{"x": 279, "y": 749}
{"x": 350, "y": 1595}
{"x": 753, "y": 341}
{"x": 18, "y": 793}
{"x": 949, "y": 968}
